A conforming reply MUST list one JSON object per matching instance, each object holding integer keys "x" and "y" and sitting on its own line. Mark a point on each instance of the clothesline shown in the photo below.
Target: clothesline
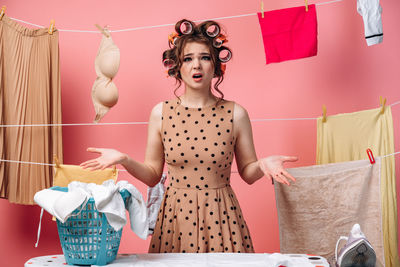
{"x": 50, "y": 164}
{"x": 139, "y": 123}
{"x": 157, "y": 26}
{"x": 143, "y": 122}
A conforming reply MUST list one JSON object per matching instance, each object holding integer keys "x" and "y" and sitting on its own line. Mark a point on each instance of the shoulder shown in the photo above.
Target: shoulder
{"x": 239, "y": 113}
{"x": 157, "y": 110}
{"x": 241, "y": 121}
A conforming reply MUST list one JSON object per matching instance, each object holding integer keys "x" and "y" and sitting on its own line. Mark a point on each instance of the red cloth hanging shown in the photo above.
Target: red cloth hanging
{"x": 289, "y": 33}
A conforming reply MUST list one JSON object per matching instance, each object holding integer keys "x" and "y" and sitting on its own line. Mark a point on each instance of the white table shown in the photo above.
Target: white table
{"x": 193, "y": 260}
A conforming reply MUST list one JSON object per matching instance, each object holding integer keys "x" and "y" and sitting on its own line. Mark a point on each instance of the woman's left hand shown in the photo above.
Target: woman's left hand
{"x": 272, "y": 167}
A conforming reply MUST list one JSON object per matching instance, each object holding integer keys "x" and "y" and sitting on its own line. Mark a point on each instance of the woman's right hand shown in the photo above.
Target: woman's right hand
{"x": 107, "y": 158}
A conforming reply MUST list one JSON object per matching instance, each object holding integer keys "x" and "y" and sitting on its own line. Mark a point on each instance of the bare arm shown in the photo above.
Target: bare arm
{"x": 246, "y": 158}
{"x": 150, "y": 171}
{"x": 250, "y": 168}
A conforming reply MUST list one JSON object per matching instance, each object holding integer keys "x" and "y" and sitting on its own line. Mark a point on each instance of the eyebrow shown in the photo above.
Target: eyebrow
{"x": 202, "y": 54}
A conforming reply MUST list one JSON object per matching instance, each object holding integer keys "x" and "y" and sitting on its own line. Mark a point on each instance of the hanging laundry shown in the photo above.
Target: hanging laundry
{"x": 289, "y": 33}
{"x": 104, "y": 91}
{"x": 30, "y": 93}
{"x": 325, "y": 202}
{"x": 155, "y": 196}
{"x": 371, "y": 11}
{"x": 65, "y": 174}
{"x": 345, "y": 137}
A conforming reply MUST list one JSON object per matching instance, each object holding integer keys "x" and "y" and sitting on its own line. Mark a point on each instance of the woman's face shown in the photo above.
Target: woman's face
{"x": 197, "y": 68}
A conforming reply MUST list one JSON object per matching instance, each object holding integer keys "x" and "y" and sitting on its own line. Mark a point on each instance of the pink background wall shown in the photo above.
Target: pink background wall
{"x": 346, "y": 76}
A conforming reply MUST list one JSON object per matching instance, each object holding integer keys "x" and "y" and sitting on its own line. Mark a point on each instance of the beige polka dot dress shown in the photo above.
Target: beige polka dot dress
{"x": 200, "y": 212}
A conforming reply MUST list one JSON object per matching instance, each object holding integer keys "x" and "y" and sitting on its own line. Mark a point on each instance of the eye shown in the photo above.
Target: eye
{"x": 208, "y": 58}
{"x": 186, "y": 59}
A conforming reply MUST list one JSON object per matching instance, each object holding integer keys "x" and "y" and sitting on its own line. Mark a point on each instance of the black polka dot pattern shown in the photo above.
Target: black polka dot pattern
{"x": 200, "y": 212}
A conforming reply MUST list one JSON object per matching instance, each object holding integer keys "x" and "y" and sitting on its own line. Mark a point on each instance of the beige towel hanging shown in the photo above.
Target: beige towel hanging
{"x": 325, "y": 202}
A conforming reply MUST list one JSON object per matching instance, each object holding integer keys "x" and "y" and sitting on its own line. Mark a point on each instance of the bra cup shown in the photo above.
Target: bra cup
{"x": 106, "y": 93}
{"x": 108, "y": 63}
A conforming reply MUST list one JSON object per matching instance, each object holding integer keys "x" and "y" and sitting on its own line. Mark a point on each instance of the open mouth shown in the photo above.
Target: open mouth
{"x": 197, "y": 76}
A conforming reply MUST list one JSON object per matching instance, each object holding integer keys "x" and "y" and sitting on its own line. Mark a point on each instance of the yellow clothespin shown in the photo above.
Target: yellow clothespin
{"x": 323, "y": 113}
{"x": 56, "y": 161}
{"x": 51, "y": 28}
{"x": 3, "y": 11}
{"x": 262, "y": 9}
{"x": 102, "y": 30}
{"x": 382, "y": 102}
{"x": 114, "y": 171}
{"x": 306, "y": 5}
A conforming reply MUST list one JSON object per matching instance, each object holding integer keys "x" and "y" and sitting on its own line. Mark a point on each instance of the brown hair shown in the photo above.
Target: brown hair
{"x": 197, "y": 34}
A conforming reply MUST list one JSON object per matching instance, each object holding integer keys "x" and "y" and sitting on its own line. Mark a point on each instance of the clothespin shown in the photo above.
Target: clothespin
{"x": 102, "y": 30}
{"x": 323, "y": 113}
{"x": 3, "y": 11}
{"x": 370, "y": 156}
{"x": 262, "y": 9}
{"x": 51, "y": 28}
{"x": 382, "y": 102}
{"x": 306, "y": 5}
{"x": 56, "y": 161}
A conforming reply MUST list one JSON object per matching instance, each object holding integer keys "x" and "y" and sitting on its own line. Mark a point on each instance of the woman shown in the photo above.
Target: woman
{"x": 197, "y": 135}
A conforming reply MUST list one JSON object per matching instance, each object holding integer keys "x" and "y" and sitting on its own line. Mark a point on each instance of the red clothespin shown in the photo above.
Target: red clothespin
{"x": 370, "y": 156}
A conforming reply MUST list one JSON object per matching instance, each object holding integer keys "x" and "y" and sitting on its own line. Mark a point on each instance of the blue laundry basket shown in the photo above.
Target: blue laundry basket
{"x": 86, "y": 237}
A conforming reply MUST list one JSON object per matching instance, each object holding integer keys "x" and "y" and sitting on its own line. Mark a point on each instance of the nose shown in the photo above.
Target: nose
{"x": 196, "y": 63}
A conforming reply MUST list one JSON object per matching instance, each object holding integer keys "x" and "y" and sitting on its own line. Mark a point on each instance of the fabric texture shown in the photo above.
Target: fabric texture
{"x": 371, "y": 11}
{"x": 200, "y": 212}
{"x": 325, "y": 202}
{"x": 214, "y": 260}
{"x": 30, "y": 93}
{"x": 155, "y": 196}
{"x": 345, "y": 137}
{"x": 104, "y": 91}
{"x": 195, "y": 260}
{"x": 58, "y": 203}
{"x": 65, "y": 174}
{"x": 289, "y": 33}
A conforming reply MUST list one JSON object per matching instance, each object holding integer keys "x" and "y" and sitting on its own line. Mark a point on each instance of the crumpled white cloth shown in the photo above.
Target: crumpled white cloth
{"x": 371, "y": 12}
{"x": 60, "y": 204}
{"x": 155, "y": 195}
{"x": 107, "y": 200}
{"x": 137, "y": 210}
